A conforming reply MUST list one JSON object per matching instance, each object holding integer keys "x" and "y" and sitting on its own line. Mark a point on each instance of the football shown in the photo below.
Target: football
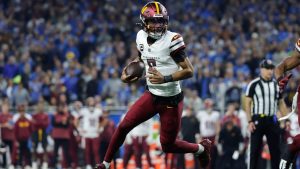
{"x": 135, "y": 69}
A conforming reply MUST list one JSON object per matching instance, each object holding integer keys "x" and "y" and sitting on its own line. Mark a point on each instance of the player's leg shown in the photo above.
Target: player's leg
{"x": 146, "y": 150}
{"x": 255, "y": 148}
{"x": 57, "y": 144}
{"x": 170, "y": 119}
{"x": 140, "y": 111}
{"x": 45, "y": 154}
{"x": 87, "y": 152}
{"x": 288, "y": 158}
{"x": 35, "y": 143}
{"x": 138, "y": 151}
{"x": 273, "y": 141}
{"x": 128, "y": 152}
{"x": 65, "y": 143}
{"x": 28, "y": 154}
{"x": 95, "y": 149}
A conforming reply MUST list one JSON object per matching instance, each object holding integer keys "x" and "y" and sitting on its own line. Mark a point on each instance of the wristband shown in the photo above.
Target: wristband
{"x": 168, "y": 78}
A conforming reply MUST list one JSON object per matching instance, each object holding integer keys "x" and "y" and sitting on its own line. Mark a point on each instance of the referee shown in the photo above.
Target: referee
{"x": 261, "y": 103}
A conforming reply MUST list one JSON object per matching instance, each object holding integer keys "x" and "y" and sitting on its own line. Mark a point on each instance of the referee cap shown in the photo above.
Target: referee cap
{"x": 267, "y": 63}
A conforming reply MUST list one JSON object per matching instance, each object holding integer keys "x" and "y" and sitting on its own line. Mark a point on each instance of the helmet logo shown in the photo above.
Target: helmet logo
{"x": 157, "y": 8}
{"x": 143, "y": 10}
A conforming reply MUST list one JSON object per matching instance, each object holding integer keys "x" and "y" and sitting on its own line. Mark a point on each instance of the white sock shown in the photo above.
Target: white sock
{"x": 200, "y": 150}
{"x": 106, "y": 164}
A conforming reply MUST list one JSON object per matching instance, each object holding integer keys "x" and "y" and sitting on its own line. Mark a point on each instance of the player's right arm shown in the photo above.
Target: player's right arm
{"x": 248, "y": 102}
{"x": 126, "y": 78}
{"x": 287, "y": 64}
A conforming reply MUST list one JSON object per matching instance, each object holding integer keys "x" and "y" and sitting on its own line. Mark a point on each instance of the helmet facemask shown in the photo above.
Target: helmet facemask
{"x": 156, "y": 27}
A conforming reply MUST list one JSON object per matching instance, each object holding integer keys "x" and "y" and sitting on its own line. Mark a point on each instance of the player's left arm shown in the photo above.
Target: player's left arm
{"x": 186, "y": 72}
{"x": 183, "y": 61}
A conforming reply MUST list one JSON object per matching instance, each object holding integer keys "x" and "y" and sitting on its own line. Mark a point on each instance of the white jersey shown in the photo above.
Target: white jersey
{"x": 208, "y": 123}
{"x": 89, "y": 122}
{"x": 17, "y": 116}
{"x": 158, "y": 55}
{"x": 295, "y": 130}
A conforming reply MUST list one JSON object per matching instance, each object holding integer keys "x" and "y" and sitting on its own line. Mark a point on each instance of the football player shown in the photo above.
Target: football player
{"x": 166, "y": 63}
{"x": 89, "y": 127}
{"x": 287, "y": 64}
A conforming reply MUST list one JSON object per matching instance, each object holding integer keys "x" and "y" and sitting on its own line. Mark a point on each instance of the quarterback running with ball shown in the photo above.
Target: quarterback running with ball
{"x": 287, "y": 64}
{"x": 166, "y": 63}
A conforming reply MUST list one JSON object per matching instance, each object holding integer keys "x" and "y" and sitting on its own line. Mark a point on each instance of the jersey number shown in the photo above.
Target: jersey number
{"x": 209, "y": 125}
{"x": 151, "y": 62}
{"x": 93, "y": 122}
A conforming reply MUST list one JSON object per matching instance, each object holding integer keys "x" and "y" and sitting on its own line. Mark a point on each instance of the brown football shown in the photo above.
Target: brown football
{"x": 135, "y": 69}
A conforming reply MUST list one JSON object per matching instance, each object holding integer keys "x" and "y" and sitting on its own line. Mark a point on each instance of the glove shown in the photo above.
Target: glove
{"x": 283, "y": 81}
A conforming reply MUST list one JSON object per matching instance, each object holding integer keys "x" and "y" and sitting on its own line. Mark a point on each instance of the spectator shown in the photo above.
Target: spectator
{"x": 230, "y": 147}
{"x": 10, "y": 70}
{"x": 189, "y": 131}
{"x": 39, "y": 136}
{"x": 231, "y": 114}
{"x": 203, "y": 84}
{"x": 128, "y": 150}
{"x": 7, "y": 134}
{"x": 74, "y": 142}
{"x": 209, "y": 126}
{"x": 23, "y": 129}
{"x": 61, "y": 133}
{"x": 233, "y": 94}
{"x": 21, "y": 95}
{"x": 108, "y": 128}
{"x": 92, "y": 85}
{"x": 89, "y": 118}
{"x": 140, "y": 143}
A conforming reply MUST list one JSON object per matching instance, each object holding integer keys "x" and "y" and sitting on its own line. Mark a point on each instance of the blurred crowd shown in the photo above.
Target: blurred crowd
{"x": 80, "y": 47}
{"x": 66, "y": 51}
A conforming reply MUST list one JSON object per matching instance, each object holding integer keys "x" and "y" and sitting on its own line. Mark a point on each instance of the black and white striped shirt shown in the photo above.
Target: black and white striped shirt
{"x": 265, "y": 96}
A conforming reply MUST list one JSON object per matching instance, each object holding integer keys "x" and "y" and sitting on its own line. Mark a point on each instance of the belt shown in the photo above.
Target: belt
{"x": 263, "y": 116}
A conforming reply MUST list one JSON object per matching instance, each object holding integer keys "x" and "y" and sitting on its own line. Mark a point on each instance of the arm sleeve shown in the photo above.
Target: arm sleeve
{"x": 176, "y": 44}
{"x": 179, "y": 56}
